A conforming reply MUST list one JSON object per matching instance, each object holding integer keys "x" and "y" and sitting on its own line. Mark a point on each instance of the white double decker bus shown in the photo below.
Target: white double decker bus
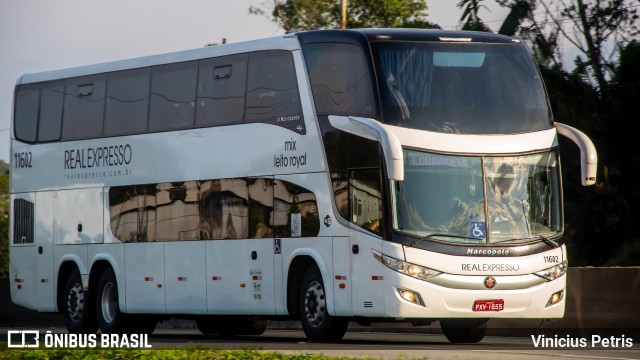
{"x": 328, "y": 176}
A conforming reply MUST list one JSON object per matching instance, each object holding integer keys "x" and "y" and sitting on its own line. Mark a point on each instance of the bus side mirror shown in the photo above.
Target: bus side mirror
{"x": 588, "y": 154}
{"x": 374, "y": 130}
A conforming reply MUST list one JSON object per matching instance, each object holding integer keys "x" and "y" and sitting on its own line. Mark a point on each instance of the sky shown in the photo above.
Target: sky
{"x": 41, "y": 35}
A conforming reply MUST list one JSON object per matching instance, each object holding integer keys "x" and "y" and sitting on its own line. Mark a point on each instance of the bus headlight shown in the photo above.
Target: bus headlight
{"x": 413, "y": 270}
{"x": 554, "y": 272}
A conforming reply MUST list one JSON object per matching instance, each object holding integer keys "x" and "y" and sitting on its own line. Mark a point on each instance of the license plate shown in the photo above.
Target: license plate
{"x": 488, "y": 305}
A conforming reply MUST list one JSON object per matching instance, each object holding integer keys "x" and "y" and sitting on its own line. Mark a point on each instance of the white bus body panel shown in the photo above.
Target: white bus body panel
{"x": 23, "y": 263}
{"x": 169, "y": 156}
{"x": 144, "y": 279}
{"x": 476, "y": 144}
{"x": 227, "y": 272}
{"x": 185, "y": 277}
{"x": 343, "y": 302}
{"x": 44, "y": 230}
{"x": 367, "y": 277}
{"x": 80, "y": 214}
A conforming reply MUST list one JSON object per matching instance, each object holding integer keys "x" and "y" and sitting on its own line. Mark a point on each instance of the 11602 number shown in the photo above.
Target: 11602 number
{"x": 22, "y": 160}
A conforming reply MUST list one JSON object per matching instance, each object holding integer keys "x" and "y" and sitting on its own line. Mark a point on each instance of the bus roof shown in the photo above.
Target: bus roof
{"x": 437, "y": 35}
{"x": 284, "y": 42}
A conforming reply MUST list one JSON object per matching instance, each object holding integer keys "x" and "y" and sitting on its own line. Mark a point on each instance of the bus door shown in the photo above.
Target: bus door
{"x": 365, "y": 200}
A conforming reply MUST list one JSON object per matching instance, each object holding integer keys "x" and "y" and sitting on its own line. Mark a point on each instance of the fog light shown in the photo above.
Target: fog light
{"x": 411, "y": 296}
{"x": 555, "y": 298}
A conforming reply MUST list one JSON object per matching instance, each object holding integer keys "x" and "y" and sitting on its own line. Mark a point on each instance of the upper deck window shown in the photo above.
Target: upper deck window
{"x": 127, "y": 102}
{"x": 339, "y": 79}
{"x": 173, "y": 96}
{"x": 51, "y": 100}
{"x": 84, "y": 107}
{"x": 26, "y": 113}
{"x": 272, "y": 95}
{"x": 221, "y": 88}
{"x": 472, "y": 88}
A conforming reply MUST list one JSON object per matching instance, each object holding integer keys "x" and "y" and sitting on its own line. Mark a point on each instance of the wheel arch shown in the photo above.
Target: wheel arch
{"x": 100, "y": 263}
{"x": 299, "y": 262}
{"x": 64, "y": 271}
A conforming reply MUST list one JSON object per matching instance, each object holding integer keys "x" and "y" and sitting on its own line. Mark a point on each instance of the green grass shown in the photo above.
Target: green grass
{"x": 117, "y": 354}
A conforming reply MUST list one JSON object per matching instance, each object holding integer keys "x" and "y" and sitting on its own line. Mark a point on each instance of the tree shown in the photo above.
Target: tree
{"x": 597, "y": 29}
{"x": 472, "y": 21}
{"x": 325, "y": 14}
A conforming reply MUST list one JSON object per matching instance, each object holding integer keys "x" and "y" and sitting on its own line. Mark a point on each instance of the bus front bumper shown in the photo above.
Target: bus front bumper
{"x": 435, "y": 301}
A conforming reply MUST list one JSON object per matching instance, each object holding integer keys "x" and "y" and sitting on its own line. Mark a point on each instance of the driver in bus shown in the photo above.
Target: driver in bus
{"x": 507, "y": 211}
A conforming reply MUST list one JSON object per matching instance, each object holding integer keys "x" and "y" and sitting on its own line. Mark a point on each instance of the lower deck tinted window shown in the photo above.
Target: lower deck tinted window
{"x": 295, "y": 211}
{"x": 224, "y": 209}
{"x": 133, "y": 212}
{"x": 365, "y": 195}
{"x": 213, "y": 209}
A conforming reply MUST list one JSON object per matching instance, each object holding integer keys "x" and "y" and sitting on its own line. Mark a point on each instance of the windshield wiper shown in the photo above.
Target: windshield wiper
{"x": 546, "y": 240}
{"x": 438, "y": 234}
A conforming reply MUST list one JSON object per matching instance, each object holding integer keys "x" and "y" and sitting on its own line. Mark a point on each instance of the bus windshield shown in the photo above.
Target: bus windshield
{"x": 479, "y": 200}
{"x": 472, "y": 88}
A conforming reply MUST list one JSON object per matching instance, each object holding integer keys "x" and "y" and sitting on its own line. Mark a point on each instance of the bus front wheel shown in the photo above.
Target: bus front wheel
{"x": 79, "y": 316}
{"x": 317, "y": 324}
{"x": 460, "y": 331}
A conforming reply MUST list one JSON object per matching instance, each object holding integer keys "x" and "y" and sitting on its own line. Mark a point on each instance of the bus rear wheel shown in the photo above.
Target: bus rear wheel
{"x": 459, "y": 331}
{"x": 110, "y": 318}
{"x": 317, "y": 323}
{"x": 79, "y": 316}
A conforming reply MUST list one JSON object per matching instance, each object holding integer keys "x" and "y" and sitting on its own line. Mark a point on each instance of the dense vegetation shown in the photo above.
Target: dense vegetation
{"x": 116, "y": 354}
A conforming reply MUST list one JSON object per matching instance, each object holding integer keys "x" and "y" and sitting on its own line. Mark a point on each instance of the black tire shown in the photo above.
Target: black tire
{"x": 256, "y": 327}
{"x": 208, "y": 326}
{"x": 79, "y": 314}
{"x": 317, "y": 324}
{"x": 110, "y": 319}
{"x": 231, "y": 326}
{"x": 459, "y": 331}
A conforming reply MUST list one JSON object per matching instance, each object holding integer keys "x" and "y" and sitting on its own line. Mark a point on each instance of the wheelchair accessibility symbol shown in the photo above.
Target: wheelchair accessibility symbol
{"x": 478, "y": 229}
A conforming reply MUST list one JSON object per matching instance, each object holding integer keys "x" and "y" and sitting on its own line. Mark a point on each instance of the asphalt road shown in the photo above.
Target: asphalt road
{"x": 378, "y": 345}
